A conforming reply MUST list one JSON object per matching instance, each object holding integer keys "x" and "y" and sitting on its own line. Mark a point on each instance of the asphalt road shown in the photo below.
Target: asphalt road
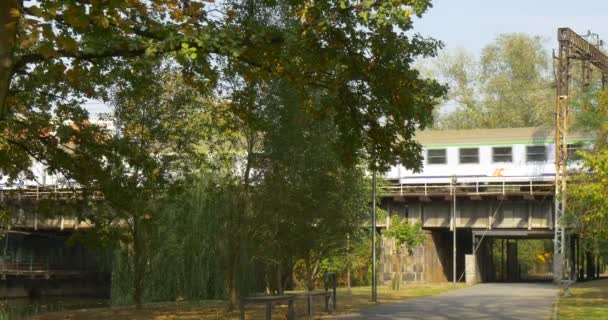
{"x": 500, "y": 301}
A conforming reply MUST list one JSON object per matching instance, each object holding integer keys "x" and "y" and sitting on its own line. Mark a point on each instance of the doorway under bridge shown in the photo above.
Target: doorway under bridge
{"x": 513, "y": 255}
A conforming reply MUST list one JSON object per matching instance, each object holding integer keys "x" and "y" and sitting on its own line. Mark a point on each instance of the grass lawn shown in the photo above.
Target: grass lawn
{"x": 589, "y": 300}
{"x": 216, "y": 310}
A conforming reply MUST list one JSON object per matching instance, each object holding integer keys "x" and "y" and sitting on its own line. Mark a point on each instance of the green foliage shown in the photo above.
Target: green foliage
{"x": 279, "y": 104}
{"x": 381, "y": 215}
{"x": 60, "y": 54}
{"x": 587, "y": 195}
{"x": 195, "y": 240}
{"x": 407, "y": 235}
{"x": 309, "y": 197}
{"x": 509, "y": 86}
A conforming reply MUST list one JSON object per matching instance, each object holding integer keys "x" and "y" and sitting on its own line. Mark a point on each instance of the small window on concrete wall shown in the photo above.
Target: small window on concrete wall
{"x": 502, "y": 154}
{"x": 469, "y": 155}
{"x": 436, "y": 156}
{"x": 536, "y": 153}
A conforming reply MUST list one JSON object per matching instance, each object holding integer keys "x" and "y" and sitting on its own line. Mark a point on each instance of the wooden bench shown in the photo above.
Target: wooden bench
{"x": 309, "y": 298}
{"x": 268, "y": 300}
{"x": 328, "y": 295}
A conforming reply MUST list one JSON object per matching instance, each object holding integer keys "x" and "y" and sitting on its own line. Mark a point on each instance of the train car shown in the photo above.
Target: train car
{"x": 485, "y": 155}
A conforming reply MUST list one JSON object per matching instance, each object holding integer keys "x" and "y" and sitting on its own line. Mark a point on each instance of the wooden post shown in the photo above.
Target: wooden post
{"x": 310, "y": 313}
{"x": 335, "y": 294}
{"x": 290, "y": 310}
{"x": 268, "y": 310}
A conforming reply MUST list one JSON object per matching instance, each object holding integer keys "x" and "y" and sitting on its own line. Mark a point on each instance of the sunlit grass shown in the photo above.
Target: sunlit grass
{"x": 589, "y": 300}
{"x": 216, "y": 310}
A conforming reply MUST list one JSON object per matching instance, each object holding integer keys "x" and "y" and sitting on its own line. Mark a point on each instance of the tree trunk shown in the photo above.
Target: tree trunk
{"x": 137, "y": 266}
{"x": 8, "y": 37}
{"x": 279, "y": 280}
{"x": 348, "y": 265}
{"x": 233, "y": 294}
{"x": 348, "y": 288}
{"x": 310, "y": 274}
{"x": 310, "y": 283}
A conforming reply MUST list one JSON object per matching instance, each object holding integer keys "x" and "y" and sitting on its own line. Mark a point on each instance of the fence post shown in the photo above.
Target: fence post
{"x": 335, "y": 293}
{"x": 242, "y": 310}
{"x": 290, "y": 310}
{"x": 268, "y": 310}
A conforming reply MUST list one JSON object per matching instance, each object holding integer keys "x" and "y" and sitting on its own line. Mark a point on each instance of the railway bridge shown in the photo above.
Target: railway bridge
{"x": 36, "y": 254}
{"x": 493, "y": 188}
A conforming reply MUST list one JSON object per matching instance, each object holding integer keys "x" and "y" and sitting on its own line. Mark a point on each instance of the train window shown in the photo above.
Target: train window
{"x": 469, "y": 155}
{"x": 436, "y": 156}
{"x": 536, "y": 153}
{"x": 502, "y": 154}
{"x": 574, "y": 147}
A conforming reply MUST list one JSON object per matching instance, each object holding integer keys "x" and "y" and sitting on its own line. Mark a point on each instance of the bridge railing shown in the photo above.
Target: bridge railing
{"x": 36, "y": 193}
{"x": 40, "y": 267}
{"x": 471, "y": 188}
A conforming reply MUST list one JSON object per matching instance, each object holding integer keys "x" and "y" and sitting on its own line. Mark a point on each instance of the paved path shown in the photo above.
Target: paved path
{"x": 511, "y": 301}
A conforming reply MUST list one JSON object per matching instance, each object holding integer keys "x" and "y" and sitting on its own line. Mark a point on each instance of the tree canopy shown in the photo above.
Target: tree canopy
{"x": 58, "y": 54}
{"x": 587, "y": 210}
{"x": 509, "y": 85}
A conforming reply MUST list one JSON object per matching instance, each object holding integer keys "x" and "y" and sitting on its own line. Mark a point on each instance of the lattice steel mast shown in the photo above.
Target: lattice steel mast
{"x": 571, "y": 46}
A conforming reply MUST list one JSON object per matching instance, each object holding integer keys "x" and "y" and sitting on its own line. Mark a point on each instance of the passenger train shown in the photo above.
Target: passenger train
{"x": 477, "y": 155}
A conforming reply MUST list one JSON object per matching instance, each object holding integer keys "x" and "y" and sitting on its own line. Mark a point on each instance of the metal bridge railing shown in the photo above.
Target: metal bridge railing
{"x": 40, "y": 267}
{"x": 37, "y": 193}
{"x": 472, "y": 188}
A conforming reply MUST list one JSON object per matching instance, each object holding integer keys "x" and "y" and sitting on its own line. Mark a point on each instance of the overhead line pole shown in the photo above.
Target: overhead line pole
{"x": 571, "y": 46}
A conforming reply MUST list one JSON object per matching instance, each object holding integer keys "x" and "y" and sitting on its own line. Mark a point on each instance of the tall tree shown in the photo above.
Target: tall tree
{"x": 587, "y": 195}
{"x": 311, "y": 200}
{"x": 509, "y": 86}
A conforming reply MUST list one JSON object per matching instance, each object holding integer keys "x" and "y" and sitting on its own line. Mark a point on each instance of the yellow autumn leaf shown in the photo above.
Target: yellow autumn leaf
{"x": 104, "y": 22}
{"x": 15, "y": 13}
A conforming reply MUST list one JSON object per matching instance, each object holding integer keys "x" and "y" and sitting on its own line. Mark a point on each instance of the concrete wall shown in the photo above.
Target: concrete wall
{"x": 429, "y": 262}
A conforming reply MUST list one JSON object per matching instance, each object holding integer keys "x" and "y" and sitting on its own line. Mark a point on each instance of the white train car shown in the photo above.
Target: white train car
{"x": 488, "y": 155}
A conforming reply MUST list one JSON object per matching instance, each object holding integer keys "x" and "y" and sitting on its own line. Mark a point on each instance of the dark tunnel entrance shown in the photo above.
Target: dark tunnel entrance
{"x": 514, "y": 256}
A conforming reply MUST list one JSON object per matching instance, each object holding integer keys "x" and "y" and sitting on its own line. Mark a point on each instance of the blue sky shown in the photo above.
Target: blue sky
{"x": 471, "y": 24}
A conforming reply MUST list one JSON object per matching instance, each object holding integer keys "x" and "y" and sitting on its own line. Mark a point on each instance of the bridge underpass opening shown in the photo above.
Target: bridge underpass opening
{"x": 514, "y": 256}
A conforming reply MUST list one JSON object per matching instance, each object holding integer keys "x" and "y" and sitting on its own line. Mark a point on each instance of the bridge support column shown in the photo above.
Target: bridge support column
{"x": 472, "y": 274}
{"x": 558, "y": 268}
